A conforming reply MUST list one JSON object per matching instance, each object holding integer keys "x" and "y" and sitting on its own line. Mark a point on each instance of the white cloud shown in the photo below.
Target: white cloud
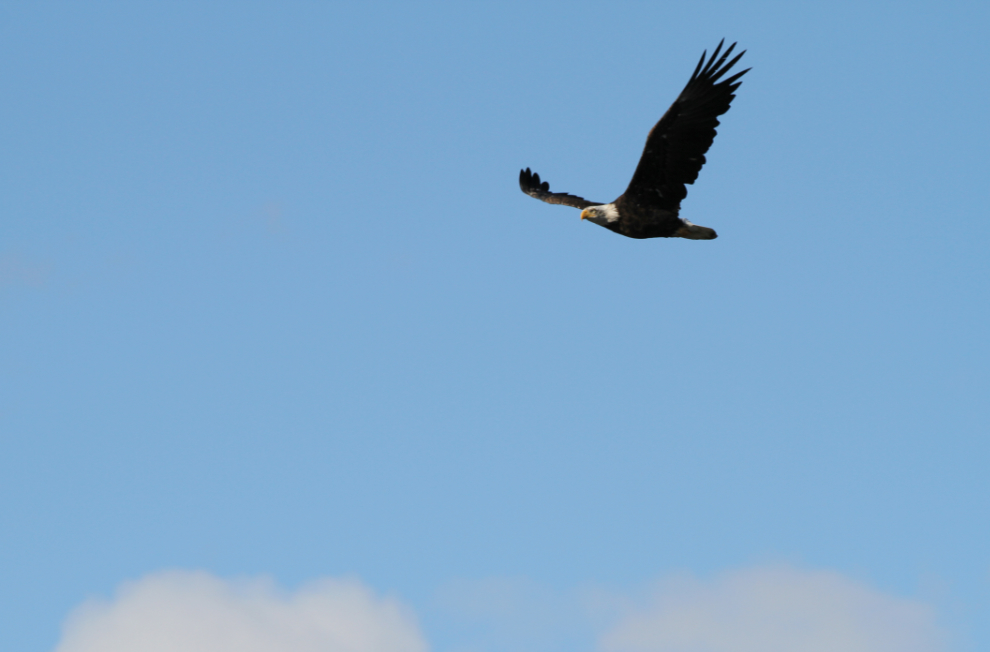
{"x": 774, "y": 610}
{"x": 181, "y": 611}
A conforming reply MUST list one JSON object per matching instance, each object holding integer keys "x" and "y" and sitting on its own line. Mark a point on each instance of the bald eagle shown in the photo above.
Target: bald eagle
{"x": 674, "y": 153}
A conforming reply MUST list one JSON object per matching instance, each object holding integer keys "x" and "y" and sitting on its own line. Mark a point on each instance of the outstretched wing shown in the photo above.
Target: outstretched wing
{"x": 675, "y": 149}
{"x": 530, "y": 184}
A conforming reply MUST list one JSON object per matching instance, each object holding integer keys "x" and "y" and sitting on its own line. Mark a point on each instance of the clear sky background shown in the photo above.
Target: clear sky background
{"x": 273, "y": 306}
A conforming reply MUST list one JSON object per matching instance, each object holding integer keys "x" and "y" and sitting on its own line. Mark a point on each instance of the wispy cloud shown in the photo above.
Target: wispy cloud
{"x": 515, "y": 614}
{"x": 774, "y": 610}
{"x": 15, "y": 270}
{"x": 762, "y": 609}
{"x": 181, "y": 611}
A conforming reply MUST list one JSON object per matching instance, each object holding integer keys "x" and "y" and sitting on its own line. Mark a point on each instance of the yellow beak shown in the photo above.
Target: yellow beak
{"x": 584, "y": 213}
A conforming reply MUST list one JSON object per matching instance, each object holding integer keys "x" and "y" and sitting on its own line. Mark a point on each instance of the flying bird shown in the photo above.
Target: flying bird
{"x": 673, "y": 156}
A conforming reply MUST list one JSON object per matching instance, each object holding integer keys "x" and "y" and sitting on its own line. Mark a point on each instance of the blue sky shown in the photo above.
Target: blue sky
{"x": 273, "y": 305}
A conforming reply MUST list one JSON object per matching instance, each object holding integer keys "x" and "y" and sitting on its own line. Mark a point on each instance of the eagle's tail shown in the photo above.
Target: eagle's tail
{"x": 695, "y": 232}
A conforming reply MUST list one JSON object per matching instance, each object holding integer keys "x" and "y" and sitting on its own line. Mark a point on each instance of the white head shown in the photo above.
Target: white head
{"x": 605, "y": 214}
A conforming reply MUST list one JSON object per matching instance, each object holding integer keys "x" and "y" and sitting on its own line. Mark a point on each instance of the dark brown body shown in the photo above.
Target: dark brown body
{"x": 642, "y": 222}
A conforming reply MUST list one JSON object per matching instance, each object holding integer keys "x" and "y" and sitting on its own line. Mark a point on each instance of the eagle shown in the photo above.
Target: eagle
{"x": 673, "y": 156}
